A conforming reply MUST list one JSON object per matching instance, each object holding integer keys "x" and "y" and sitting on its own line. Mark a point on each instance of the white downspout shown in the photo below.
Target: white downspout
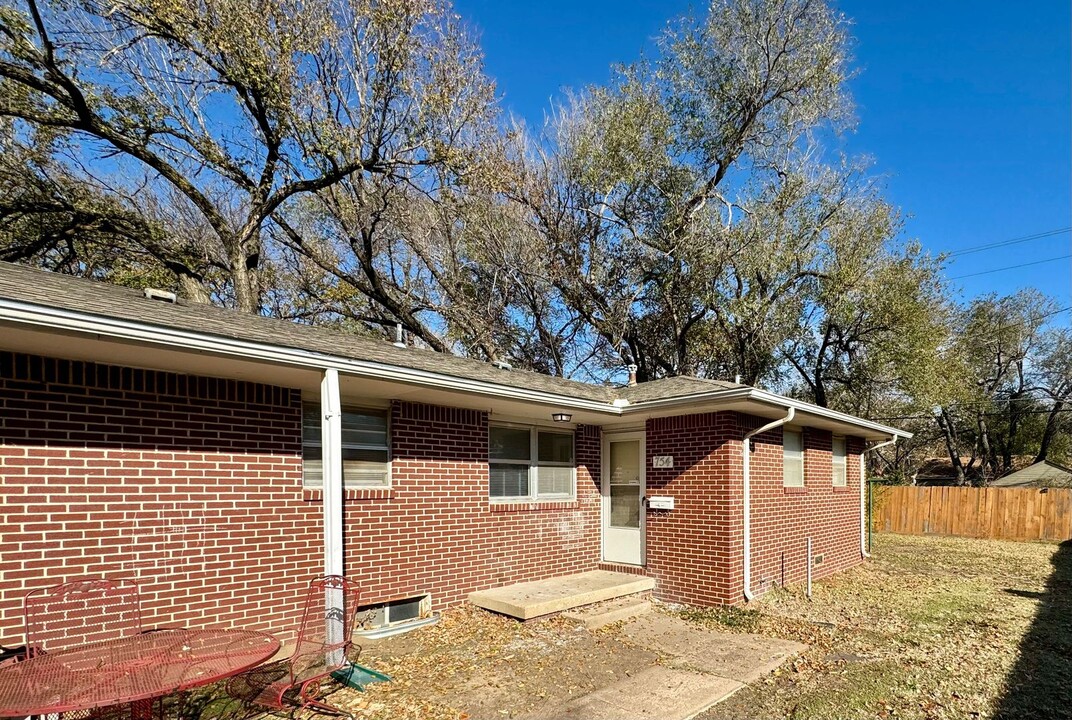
{"x": 747, "y": 464}
{"x": 863, "y": 484}
{"x": 331, "y": 449}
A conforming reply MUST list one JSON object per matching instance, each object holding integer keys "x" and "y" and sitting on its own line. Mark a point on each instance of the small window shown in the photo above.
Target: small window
{"x": 527, "y": 463}
{"x": 365, "y": 447}
{"x": 397, "y": 612}
{"x": 793, "y": 452}
{"x": 839, "y": 458}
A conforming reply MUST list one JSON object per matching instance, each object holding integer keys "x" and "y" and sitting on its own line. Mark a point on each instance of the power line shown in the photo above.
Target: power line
{"x": 1011, "y": 267}
{"x": 1013, "y": 241}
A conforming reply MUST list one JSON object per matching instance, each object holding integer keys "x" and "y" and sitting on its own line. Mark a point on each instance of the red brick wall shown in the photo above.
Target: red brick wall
{"x": 784, "y": 518}
{"x": 435, "y": 532}
{"x": 193, "y": 486}
{"x": 694, "y": 550}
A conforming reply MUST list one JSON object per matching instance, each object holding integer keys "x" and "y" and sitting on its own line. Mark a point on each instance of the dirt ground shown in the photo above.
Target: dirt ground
{"x": 482, "y": 666}
{"x": 930, "y": 629}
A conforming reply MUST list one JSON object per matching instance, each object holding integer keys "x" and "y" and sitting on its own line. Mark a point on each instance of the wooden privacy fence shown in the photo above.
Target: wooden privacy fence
{"x": 999, "y": 513}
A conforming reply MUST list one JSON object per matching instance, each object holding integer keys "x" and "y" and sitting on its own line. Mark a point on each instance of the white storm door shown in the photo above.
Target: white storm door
{"x": 623, "y": 499}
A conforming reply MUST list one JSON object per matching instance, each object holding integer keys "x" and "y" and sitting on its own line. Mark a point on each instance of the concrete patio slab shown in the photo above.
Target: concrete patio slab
{"x": 656, "y": 692}
{"x": 739, "y": 657}
{"x": 533, "y": 599}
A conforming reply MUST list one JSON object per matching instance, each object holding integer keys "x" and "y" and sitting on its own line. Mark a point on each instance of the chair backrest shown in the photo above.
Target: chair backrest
{"x": 327, "y": 622}
{"x": 80, "y": 612}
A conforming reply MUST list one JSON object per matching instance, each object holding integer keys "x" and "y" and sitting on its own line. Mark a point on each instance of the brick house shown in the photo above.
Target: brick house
{"x": 224, "y": 459}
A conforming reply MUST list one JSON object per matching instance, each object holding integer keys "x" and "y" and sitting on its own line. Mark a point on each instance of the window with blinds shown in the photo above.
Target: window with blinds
{"x": 839, "y": 458}
{"x": 530, "y": 463}
{"x": 365, "y": 449}
{"x": 793, "y": 458}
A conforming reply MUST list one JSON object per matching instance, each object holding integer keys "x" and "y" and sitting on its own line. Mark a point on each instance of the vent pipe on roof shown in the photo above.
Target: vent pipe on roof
{"x": 400, "y": 336}
{"x": 161, "y": 295}
{"x": 502, "y": 365}
{"x": 632, "y": 375}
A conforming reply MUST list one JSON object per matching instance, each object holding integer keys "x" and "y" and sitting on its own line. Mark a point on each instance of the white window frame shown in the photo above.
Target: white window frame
{"x": 533, "y": 464}
{"x": 786, "y": 481}
{"x": 350, "y": 484}
{"x": 839, "y": 463}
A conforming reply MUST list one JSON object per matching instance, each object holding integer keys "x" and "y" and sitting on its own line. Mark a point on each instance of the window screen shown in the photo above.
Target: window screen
{"x": 365, "y": 447}
{"x": 839, "y": 460}
{"x": 793, "y": 454}
{"x": 526, "y": 463}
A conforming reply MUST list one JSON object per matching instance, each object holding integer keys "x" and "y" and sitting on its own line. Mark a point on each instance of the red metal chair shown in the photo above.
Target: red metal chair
{"x": 322, "y": 648}
{"x": 80, "y": 612}
{"x": 83, "y": 611}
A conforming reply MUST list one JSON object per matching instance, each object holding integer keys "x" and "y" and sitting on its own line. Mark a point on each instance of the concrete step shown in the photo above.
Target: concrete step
{"x": 542, "y": 597}
{"x": 605, "y": 613}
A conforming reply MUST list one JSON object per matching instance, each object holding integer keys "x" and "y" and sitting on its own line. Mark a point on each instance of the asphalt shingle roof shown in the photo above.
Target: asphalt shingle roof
{"x": 54, "y": 290}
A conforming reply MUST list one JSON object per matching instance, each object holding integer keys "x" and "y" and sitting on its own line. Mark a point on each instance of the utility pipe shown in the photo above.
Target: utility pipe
{"x": 331, "y": 463}
{"x": 747, "y": 467}
{"x": 863, "y": 483}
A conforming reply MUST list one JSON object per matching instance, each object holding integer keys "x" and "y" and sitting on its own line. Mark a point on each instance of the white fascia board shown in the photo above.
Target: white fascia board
{"x": 800, "y": 406}
{"x": 716, "y": 397}
{"x": 56, "y": 318}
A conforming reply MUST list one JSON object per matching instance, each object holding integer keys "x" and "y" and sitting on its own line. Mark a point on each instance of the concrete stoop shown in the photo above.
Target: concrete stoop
{"x": 543, "y": 597}
{"x": 601, "y": 614}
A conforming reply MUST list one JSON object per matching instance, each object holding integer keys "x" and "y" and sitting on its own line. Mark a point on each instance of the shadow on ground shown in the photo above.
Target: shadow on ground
{"x": 1040, "y": 683}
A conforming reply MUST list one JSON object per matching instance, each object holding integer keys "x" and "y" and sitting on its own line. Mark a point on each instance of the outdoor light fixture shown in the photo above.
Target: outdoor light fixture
{"x": 561, "y": 417}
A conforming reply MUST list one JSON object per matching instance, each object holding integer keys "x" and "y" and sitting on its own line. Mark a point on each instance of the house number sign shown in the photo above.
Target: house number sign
{"x": 662, "y": 461}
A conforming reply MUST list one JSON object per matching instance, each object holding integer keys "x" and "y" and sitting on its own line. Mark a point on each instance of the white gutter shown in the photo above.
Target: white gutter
{"x": 746, "y": 445}
{"x": 763, "y": 396}
{"x": 54, "y": 318}
{"x": 331, "y": 459}
{"x": 50, "y": 318}
{"x": 863, "y": 483}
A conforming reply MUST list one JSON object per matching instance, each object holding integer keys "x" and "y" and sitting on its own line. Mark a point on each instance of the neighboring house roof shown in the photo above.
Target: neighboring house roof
{"x": 1041, "y": 474}
{"x": 29, "y": 296}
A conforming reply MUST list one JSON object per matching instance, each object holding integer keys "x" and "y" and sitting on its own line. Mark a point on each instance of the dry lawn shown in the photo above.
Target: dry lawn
{"x": 931, "y": 628}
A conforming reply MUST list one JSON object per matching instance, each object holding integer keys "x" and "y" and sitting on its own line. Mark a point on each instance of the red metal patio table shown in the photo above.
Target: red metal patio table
{"x": 128, "y": 670}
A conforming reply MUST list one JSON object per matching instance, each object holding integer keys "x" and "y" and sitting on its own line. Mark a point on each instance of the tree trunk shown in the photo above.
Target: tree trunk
{"x": 949, "y": 433}
{"x": 1051, "y": 430}
{"x": 192, "y": 289}
{"x": 987, "y": 453}
{"x": 244, "y": 261}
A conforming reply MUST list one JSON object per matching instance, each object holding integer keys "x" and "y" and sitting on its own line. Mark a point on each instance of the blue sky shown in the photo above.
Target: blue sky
{"x": 965, "y": 108}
